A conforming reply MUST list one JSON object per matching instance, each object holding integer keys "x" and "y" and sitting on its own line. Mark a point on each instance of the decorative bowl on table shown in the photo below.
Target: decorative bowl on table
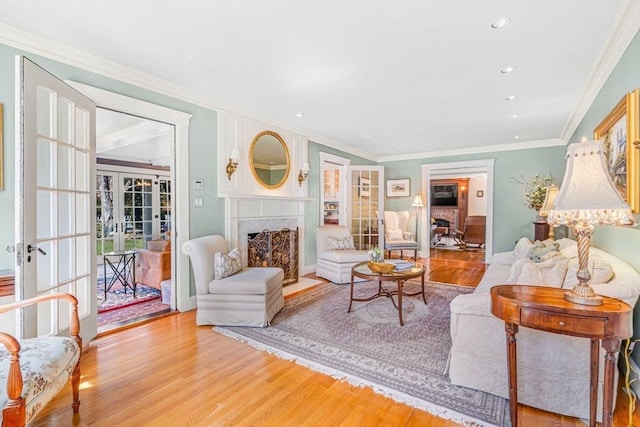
{"x": 380, "y": 267}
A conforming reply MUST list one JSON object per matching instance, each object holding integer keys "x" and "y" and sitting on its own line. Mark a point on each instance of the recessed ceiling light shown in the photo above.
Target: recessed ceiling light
{"x": 299, "y": 115}
{"x": 510, "y": 97}
{"x": 507, "y": 70}
{"x": 500, "y": 23}
{"x": 513, "y": 116}
{"x": 516, "y": 137}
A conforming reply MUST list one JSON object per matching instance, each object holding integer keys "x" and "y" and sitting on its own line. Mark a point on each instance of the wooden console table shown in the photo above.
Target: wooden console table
{"x": 546, "y": 309}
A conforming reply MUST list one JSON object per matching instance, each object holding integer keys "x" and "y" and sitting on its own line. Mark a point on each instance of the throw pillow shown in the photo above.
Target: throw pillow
{"x": 599, "y": 269}
{"x": 547, "y": 273}
{"x": 334, "y": 243}
{"x": 225, "y": 265}
{"x": 394, "y": 235}
{"x": 521, "y": 250}
{"x": 541, "y": 248}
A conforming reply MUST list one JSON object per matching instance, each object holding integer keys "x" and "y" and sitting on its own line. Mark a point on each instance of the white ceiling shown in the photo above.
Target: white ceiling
{"x": 388, "y": 79}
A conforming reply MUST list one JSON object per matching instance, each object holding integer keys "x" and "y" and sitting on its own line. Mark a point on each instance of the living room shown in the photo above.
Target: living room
{"x": 206, "y": 154}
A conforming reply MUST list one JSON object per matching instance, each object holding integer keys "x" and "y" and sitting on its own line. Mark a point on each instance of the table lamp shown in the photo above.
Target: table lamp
{"x": 549, "y": 198}
{"x": 587, "y": 197}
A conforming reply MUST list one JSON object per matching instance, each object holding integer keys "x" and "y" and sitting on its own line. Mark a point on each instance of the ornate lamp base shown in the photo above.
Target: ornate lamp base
{"x": 583, "y": 294}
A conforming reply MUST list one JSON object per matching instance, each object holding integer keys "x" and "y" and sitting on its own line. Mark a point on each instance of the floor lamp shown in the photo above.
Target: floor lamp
{"x": 417, "y": 203}
{"x": 587, "y": 197}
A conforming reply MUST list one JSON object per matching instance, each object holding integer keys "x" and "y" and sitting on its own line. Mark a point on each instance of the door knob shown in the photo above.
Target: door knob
{"x": 31, "y": 248}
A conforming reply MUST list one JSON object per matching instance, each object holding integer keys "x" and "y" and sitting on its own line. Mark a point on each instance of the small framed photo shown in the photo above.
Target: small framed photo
{"x": 479, "y": 193}
{"x": 398, "y": 187}
{"x": 365, "y": 187}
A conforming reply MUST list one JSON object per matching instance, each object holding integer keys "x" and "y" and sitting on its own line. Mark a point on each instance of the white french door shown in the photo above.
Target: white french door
{"x": 54, "y": 217}
{"x": 366, "y": 209}
{"x": 131, "y": 208}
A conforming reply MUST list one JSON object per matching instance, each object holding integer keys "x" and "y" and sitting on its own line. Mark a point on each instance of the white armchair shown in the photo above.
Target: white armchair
{"x": 396, "y": 236}
{"x": 335, "y": 264}
{"x": 250, "y": 297}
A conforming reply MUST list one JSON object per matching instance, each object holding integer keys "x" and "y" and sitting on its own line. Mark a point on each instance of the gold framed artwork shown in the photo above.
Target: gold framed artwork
{"x": 1, "y": 149}
{"x": 620, "y": 134}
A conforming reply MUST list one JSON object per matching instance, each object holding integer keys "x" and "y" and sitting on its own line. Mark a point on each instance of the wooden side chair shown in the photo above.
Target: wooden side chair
{"x": 36, "y": 369}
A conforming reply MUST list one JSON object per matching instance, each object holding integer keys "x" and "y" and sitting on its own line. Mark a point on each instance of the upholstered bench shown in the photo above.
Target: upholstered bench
{"x": 246, "y": 296}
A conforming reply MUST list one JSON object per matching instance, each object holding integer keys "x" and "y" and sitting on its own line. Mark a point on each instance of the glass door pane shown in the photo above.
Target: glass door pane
{"x": 367, "y": 205}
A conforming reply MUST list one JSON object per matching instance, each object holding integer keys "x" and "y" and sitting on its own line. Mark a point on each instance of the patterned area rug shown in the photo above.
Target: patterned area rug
{"x": 118, "y": 298}
{"x": 368, "y": 347}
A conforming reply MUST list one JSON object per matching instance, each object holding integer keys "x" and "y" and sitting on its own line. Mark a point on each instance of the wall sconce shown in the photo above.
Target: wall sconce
{"x": 304, "y": 174}
{"x": 233, "y": 163}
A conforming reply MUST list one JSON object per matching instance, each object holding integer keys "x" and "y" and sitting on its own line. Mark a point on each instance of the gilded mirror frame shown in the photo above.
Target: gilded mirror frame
{"x": 253, "y": 168}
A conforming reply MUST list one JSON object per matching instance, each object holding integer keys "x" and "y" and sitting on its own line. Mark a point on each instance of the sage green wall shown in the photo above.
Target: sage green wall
{"x": 202, "y": 143}
{"x": 312, "y": 207}
{"x": 623, "y": 242}
{"x": 512, "y": 219}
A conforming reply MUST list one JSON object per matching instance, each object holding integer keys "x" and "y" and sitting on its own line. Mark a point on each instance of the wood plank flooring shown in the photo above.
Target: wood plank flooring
{"x": 169, "y": 372}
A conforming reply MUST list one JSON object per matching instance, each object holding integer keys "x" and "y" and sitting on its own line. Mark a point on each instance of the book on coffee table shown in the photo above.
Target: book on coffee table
{"x": 401, "y": 264}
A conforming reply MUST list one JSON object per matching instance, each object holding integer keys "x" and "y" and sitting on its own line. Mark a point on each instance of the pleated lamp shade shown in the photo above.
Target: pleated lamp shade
{"x": 587, "y": 194}
{"x": 549, "y": 198}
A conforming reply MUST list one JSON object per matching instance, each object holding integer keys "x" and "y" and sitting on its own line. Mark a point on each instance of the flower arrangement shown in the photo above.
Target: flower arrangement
{"x": 535, "y": 189}
{"x": 375, "y": 254}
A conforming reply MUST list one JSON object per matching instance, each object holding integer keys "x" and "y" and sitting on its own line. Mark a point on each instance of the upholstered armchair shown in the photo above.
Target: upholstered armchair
{"x": 34, "y": 370}
{"x": 396, "y": 236}
{"x": 153, "y": 265}
{"x": 336, "y": 253}
{"x": 241, "y": 296}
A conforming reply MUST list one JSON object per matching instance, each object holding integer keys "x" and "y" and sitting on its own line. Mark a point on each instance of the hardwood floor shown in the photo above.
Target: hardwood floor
{"x": 171, "y": 373}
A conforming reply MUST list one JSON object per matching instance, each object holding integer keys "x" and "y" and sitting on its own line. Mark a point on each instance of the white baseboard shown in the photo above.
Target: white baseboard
{"x": 308, "y": 269}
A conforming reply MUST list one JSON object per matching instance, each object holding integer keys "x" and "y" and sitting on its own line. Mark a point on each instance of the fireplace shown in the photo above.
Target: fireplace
{"x": 275, "y": 249}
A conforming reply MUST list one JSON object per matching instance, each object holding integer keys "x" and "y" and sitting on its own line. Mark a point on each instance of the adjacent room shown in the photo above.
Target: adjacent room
{"x": 319, "y": 213}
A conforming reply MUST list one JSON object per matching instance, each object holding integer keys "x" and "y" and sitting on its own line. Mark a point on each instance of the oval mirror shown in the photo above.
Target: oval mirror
{"x": 269, "y": 159}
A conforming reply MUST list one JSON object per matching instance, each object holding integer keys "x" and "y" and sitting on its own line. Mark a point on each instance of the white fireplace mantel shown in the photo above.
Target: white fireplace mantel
{"x": 244, "y": 215}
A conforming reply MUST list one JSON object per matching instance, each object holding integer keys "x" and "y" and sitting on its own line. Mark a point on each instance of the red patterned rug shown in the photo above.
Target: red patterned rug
{"x": 118, "y": 297}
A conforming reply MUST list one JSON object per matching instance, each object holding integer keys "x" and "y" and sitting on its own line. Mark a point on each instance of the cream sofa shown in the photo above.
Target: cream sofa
{"x": 250, "y": 297}
{"x": 553, "y": 370}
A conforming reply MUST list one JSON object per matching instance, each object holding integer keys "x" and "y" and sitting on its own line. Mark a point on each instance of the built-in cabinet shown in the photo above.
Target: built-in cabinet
{"x": 331, "y": 197}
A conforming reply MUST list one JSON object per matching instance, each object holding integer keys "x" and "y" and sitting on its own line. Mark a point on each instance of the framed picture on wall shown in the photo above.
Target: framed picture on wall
{"x": 619, "y": 132}
{"x": 365, "y": 187}
{"x": 398, "y": 187}
{"x": 480, "y": 193}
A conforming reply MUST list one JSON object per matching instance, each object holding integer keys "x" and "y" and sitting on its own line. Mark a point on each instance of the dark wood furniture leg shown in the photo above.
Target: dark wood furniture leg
{"x": 512, "y": 363}
{"x": 593, "y": 387}
{"x": 611, "y": 346}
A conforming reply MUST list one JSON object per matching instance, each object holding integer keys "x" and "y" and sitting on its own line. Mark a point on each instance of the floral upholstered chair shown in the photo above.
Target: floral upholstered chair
{"x": 33, "y": 371}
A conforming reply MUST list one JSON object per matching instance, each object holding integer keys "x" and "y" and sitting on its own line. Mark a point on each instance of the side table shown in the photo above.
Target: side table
{"x": 123, "y": 270}
{"x": 545, "y": 309}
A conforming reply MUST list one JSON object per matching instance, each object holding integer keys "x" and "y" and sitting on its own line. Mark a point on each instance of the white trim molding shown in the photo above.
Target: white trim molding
{"x": 179, "y": 176}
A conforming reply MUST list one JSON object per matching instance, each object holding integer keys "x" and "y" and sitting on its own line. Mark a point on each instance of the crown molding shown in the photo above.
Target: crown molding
{"x": 627, "y": 28}
{"x": 544, "y": 143}
{"x": 19, "y": 39}
{"x": 46, "y": 48}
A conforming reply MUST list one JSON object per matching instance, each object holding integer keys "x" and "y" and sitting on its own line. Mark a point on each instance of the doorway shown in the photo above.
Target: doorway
{"x": 459, "y": 170}
{"x": 133, "y": 210}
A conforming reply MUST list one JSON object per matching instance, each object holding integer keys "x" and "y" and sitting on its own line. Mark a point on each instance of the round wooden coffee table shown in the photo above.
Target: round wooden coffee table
{"x": 399, "y": 277}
